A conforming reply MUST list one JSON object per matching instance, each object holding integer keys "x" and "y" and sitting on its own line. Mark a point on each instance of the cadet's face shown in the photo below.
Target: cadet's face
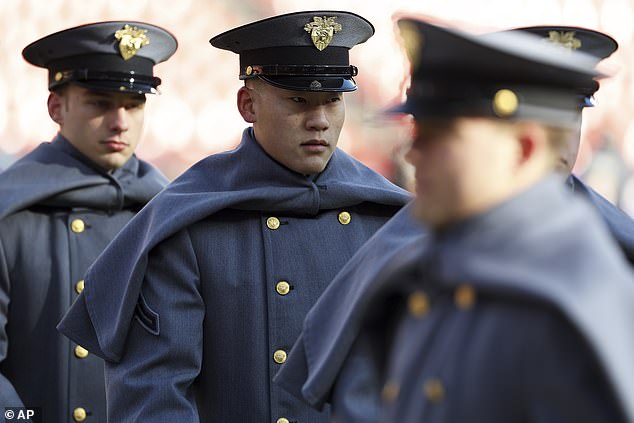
{"x": 299, "y": 129}
{"x": 462, "y": 168}
{"x": 104, "y": 126}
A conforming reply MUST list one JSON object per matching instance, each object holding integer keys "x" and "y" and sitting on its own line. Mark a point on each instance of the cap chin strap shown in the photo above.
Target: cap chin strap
{"x": 307, "y": 71}
{"x": 87, "y": 75}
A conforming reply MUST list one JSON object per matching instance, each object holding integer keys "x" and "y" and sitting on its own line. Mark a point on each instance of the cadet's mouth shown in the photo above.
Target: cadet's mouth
{"x": 114, "y": 145}
{"x": 316, "y": 146}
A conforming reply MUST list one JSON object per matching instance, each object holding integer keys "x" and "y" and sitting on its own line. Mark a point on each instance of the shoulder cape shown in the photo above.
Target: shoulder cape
{"x": 57, "y": 173}
{"x": 245, "y": 179}
{"x": 621, "y": 225}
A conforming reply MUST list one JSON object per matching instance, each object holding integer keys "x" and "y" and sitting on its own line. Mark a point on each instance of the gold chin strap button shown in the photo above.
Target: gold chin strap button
{"x": 505, "y": 103}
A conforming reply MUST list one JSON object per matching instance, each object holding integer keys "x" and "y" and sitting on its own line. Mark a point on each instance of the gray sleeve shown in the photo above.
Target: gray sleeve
{"x": 154, "y": 380}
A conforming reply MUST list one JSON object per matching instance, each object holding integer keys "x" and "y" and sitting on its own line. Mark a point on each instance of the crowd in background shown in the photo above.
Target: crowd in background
{"x": 195, "y": 115}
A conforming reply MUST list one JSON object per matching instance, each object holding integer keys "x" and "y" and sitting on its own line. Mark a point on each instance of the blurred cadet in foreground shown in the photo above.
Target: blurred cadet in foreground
{"x": 516, "y": 281}
{"x": 206, "y": 290}
{"x": 63, "y": 202}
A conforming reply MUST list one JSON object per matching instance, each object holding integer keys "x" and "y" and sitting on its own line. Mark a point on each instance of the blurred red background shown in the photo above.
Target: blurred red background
{"x": 196, "y": 114}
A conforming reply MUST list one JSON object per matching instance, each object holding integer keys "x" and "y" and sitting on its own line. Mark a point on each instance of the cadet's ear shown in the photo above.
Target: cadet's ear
{"x": 246, "y": 100}
{"x": 55, "y": 107}
{"x": 532, "y": 138}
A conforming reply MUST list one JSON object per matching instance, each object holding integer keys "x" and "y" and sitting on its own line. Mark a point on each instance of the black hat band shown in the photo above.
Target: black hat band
{"x": 112, "y": 62}
{"x": 131, "y": 79}
{"x": 334, "y": 56}
{"x": 318, "y": 71}
{"x": 432, "y": 99}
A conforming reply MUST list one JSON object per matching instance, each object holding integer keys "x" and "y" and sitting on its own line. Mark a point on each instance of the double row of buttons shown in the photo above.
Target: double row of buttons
{"x": 283, "y": 287}
{"x": 273, "y": 223}
{"x": 419, "y": 305}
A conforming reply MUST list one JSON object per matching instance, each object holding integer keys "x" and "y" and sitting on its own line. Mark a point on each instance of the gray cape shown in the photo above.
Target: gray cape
{"x": 57, "y": 174}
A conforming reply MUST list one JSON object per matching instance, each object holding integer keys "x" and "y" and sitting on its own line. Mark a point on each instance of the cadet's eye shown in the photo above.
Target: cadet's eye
{"x": 298, "y": 99}
{"x": 100, "y": 104}
{"x": 132, "y": 106}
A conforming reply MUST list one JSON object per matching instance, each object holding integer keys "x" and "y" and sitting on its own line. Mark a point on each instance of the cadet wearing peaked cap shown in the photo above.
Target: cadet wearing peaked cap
{"x": 64, "y": 201}
{"x": 207, "y": 288}
{"x": 489, "y": 318}
{"x": 112, "y": 56}
{"x": 600, "y": 46}
{"x": 596, "y": 44}
{"x": 507, "y": 75}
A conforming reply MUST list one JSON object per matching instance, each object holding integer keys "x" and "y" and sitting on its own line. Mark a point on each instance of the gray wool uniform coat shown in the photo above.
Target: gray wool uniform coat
{"x": 57, "y": 213}
{"x": 198, "y": 301}
{"x": 332, "y": 325}
{"x": 432, "y": 330}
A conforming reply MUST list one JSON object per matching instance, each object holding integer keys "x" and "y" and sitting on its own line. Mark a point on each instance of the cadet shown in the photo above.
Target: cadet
{"x": 487, "y": 260}
{"x": 63, "y": 202}
{"x": 195, "y": 305}
{"x": 332, "y": 325}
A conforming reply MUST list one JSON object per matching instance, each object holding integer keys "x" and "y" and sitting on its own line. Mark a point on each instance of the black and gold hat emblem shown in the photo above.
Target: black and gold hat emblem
{"x": 322, "y": 30}
{"x": 131, "y": 39}
{"x": 565, "y": 39}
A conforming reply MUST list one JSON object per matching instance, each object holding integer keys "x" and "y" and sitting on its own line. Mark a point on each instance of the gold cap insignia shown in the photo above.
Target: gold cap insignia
{"x": 564, "y": 39}
{"x": 131, "y": 39}
{"x": 321, "y": 30}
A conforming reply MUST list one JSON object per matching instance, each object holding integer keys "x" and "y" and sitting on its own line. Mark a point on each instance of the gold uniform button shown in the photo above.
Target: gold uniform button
{"x": 418, "y": 304}
{"x": 79, "y": 414}
{"x": 390, "y": 391}
{"x": 434, "y": 390}
{"x": 81, "y": 352}
{"x": 79, "y": 287}
{"x": 59, "y": 76}
{"x": 282, "y": 420}
{"x": 279, "y": 356}
{"x": 465, "y": 297}
{"x": 273, "y": 223}
{"x": 77, "y": 226}
{"x": 283, "y": 287}
{"x": 344, "y": 218}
